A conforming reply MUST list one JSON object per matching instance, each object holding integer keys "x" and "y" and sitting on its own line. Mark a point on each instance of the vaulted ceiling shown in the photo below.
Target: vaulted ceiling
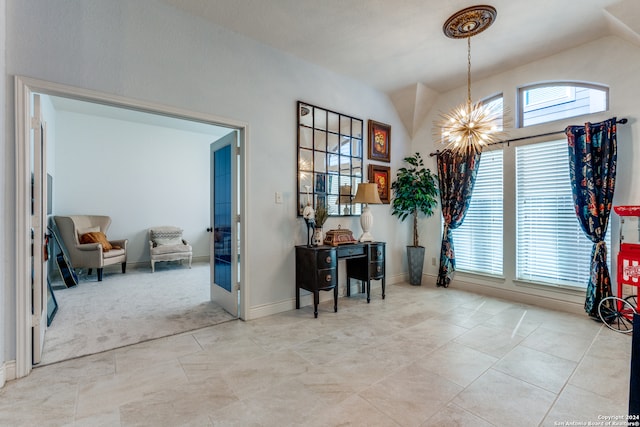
{"x": 398, "y": 46}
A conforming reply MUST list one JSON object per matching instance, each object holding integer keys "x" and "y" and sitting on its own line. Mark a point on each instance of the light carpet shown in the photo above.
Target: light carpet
{"x": 130, "y": 308}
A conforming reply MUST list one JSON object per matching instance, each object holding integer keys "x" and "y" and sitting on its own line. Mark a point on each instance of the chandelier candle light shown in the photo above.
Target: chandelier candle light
{"x": 469, "y": 126}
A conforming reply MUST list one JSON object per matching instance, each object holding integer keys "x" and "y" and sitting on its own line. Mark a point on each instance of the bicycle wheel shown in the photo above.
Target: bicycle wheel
{"x": 617, "y": 314}
{"x": 633, "y": 300}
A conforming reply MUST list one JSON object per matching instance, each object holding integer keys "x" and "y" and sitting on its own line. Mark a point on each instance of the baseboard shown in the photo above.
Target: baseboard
{"x": 7, "y": 372}
{"x": 512, "y": 295}
{"x": 397, "y": 278}
{"x": 306, "y": 298}
{"x": 141, "y": 265}
{"x": 263, "y": 310}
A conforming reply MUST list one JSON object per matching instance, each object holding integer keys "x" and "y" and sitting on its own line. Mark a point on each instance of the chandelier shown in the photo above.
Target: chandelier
{"x": 469, "y": 126}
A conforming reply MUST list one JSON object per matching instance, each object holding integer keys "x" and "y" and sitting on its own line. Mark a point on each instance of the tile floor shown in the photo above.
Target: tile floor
{"x": 422, "y": 357}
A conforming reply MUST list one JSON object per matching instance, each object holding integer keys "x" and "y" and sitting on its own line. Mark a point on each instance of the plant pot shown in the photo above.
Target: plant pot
{"x": 415, "y": 257}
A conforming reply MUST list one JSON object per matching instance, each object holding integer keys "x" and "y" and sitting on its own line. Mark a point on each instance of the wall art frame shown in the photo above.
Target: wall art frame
{"x": 381, "y": 176}
{"x": 379, "y": 141}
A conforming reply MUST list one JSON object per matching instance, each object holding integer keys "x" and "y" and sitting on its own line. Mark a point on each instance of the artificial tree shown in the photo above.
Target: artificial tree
{"x": 415, "y": 192}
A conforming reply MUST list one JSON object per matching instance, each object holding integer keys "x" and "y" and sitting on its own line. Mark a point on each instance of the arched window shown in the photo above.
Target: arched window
{"x": 547, "y": 102}
{"x": 551, "y": 248}
{"x": 496, "y": 100}
{"x": 547, "y": 233}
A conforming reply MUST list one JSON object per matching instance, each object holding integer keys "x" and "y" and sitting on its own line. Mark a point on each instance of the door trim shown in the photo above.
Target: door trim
{"x": 24, "y": 87}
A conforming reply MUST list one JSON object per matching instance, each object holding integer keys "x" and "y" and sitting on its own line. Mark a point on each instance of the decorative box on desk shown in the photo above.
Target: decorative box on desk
{"x": 339, "y": 237}
{"x": 317, "y": 270}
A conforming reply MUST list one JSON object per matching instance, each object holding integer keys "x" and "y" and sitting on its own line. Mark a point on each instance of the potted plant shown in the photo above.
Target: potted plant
{"x": 415, "y": 191}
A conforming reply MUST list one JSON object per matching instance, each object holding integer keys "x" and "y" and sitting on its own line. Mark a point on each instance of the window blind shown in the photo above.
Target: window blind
{"x": 478, "y": 241}
{"x": 550, "y": 244}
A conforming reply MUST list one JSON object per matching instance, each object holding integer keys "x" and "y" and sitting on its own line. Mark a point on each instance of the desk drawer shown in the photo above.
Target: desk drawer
{"x": 327, "y": 278}
{"x": 327, "y": 258}
{"x": 376, "y": 270}
{"x": 377, "y": 252}
{"x": 351, "y": 251}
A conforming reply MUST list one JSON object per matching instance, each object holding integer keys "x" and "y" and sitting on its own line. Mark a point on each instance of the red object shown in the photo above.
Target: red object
{"x": 628, "y": 265}
{"x": 627, "y": 210}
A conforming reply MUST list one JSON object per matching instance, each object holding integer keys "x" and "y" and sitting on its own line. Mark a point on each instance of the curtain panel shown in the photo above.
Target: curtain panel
{"x": 457, "y": 173}
{"x": 592, "y": 166}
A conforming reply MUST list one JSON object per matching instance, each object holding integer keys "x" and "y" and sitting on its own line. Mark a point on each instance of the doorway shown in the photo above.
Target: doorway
{"x": 25, "y": 88}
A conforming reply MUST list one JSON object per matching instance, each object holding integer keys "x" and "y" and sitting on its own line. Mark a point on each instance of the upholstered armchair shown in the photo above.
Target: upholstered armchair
{"x": 166, "y": 244}
{"x": 84, "y": 237}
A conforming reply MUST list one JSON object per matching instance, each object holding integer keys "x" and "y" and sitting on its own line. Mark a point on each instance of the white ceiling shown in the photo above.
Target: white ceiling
{"x": 393, "y": 44}
{"x": 126, "y": 114}
{"x": 397, "y": 46}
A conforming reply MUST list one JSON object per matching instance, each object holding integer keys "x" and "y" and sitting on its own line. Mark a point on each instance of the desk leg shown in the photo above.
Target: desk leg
{"x": 368, "y": 291}
{"x": 382, "y": 287}
{"x": 335, "y": 299}
{"x": 316, "y": 300}
{"x": 297, "y": 297}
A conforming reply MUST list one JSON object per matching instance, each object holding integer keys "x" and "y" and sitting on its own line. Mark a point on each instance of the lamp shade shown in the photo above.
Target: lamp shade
{"x": 368, "y": 193}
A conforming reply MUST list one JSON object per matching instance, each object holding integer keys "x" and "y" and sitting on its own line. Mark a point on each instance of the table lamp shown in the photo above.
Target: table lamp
{"x": 367, "y": 194}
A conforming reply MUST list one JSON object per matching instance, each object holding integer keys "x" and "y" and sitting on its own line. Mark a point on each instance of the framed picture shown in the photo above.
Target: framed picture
{"x": 379, "y": 141}
{"x": 380, "y": 175}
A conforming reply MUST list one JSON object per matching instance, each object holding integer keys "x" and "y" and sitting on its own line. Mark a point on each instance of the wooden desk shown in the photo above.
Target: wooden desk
{"x": 317, "y": 269}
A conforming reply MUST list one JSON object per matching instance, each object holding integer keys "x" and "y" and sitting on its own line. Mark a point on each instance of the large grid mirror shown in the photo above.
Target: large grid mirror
{"x": 329, "y": 160}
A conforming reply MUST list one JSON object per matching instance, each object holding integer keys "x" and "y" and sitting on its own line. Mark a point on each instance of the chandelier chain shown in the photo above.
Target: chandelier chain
{"x": 469, "y": 71}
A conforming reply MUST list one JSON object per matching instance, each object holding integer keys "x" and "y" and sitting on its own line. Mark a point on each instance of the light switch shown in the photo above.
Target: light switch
{"x": 278, "y": 197}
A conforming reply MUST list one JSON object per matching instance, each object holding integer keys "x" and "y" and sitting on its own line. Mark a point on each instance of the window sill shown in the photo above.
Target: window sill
{"x": 485, "y": 276}
{"x": 564, "y": 289}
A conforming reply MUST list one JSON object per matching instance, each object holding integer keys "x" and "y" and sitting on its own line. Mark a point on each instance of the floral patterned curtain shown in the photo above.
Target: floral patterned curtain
{"x": 592, "y": 164}
{"x": 456, "y": 175}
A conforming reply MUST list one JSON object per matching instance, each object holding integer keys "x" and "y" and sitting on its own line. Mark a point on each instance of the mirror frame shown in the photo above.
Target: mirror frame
{"x": 330, "y": 159}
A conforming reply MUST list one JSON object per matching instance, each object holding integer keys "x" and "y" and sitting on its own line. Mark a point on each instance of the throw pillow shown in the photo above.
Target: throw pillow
{"x": 97, "y": 237}
{"x": 82, "y": 231}
{"x": 160, "y": 241}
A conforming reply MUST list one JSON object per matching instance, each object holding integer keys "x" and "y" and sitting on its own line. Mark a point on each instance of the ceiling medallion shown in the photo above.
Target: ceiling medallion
{"x": 469, "y": 22}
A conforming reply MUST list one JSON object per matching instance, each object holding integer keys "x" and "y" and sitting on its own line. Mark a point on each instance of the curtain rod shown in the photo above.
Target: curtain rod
{"x": 507, "y": 141}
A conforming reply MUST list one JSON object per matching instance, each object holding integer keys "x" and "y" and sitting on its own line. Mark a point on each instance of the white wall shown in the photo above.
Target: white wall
{"x": 609, "y": 61}
{"x": 149, "y": 51}
{"x": 140, "y": 175}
